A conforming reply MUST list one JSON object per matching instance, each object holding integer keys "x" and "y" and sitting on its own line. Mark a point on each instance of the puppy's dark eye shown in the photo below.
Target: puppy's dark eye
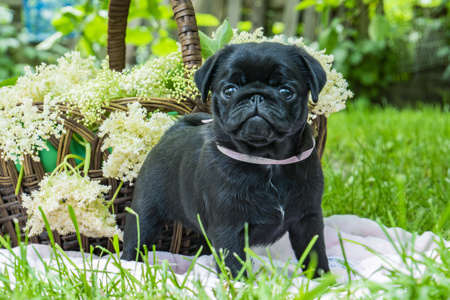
{"x": 228, "y": 91}
{"x": 287, "y": 93}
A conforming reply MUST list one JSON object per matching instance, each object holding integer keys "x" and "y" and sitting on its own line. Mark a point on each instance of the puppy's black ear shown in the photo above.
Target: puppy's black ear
{"x": 316, "y": 74}
{"x": 204, "y": 75}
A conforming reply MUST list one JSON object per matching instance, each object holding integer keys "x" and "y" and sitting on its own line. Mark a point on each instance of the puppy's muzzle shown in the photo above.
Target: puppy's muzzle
{"x": 255, "y": 129}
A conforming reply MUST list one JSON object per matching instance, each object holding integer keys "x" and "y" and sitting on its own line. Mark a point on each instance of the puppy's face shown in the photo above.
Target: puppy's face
{"x": 260, "y": 91}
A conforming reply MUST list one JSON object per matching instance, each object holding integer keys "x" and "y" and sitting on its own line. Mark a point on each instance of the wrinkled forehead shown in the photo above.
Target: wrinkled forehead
{"x": 259, "y": 62}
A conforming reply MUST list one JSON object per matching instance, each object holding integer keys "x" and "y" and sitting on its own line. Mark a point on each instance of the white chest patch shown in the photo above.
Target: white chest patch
{"x": 282, "y": 212}
{"x": 270, "y": 183}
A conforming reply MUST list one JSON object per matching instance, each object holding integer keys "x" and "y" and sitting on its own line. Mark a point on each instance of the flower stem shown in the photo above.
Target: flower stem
{"x": 115, "y": 196}
{"x": 83, "y": 143}
{"x": 87, "y": 160}
{"x": 60, "y": 166}
{"x": 19, "y": 180}
{"x": 79, "y": 165}
{"x": 68, "y": 156}
{"x": 68, "y": 166}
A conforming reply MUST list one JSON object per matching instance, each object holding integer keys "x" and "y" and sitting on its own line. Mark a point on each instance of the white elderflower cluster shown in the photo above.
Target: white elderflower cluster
{"x": 131, "y": 135}
{"x": 161, "y": 77}
{"x": 257, "y": 36}
{"x": 84, "y": 195}
{"x": 95, "y": 94}
{"x": 335, "y": 93}
{"x": 25, "y": 128}
{"x": 53, "y": 80}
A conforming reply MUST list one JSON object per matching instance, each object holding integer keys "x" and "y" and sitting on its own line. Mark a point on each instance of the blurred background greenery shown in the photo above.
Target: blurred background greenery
{"x": 391, "y": 51}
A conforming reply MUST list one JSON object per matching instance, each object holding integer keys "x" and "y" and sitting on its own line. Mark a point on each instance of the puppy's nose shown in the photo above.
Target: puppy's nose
{"x": 256, "y": 99}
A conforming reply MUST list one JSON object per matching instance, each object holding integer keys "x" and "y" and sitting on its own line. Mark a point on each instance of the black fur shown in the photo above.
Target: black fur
{"x": 185, "y": 174}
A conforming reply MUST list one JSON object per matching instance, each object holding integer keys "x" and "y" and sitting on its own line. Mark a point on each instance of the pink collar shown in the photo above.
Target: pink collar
{"x": 262, "y": 160}
{"x": 266, "y": 161}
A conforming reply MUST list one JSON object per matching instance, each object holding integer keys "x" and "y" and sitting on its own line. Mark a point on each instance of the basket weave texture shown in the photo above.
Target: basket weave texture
{"x": 173, "y": 237}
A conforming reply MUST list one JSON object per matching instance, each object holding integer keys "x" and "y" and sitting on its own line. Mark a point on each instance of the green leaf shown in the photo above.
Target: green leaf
{"x": 75, "y": 222}
{"x": 47, "y": 227}
{"x": 8, "y": 82}
{"x": 244, "y": 25}
{"x": 12, "y": 43}
{"x": 138, "y": 14}
{"x": 355, "y": 58}
{"x": 96, "y": 30}
{"x": 207, "y": 20}
{"x": 305, "y": 4}
{"x": 64, "y": 24}
{"x": 73, "y": 12}
{"x": 166, "y": 13}
{"x": 153, "y": 8}
{"x": 6, "y": 15}
{"x": 278, "y": 27}
{"x": 328, "y": 39}
{"x": 116, "y": 244}
{"x": 340, "y": 54}
{"x": 104, "y": 5}
{"x": 67, "y": 19}
{"x": 49, "y": 42}
{"x": 164, "y": 46}
{"x": 139, "y": 36}
{"x": 223, "y": 34}
{"x": 379, "y": 28}
{"x": 207, "y": 44}
{"x": 85, "y": 46}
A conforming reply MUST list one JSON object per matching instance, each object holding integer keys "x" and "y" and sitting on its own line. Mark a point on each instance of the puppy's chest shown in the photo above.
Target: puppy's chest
{"x": 272, "y": 201}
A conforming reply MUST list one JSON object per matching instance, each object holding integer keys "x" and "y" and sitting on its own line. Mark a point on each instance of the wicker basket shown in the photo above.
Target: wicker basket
{"x": 174, "y": 237}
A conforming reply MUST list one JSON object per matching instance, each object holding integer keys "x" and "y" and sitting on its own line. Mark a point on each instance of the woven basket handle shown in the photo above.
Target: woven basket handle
{"x": 187, "y": 32}
{"x": 117, "y": 26}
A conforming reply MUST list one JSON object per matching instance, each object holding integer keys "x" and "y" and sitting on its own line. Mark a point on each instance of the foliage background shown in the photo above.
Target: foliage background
{"x": 391, "y": 51}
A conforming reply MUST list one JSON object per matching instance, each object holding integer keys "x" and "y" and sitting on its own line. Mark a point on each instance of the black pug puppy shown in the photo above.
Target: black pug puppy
{"x": 252, "y": 163}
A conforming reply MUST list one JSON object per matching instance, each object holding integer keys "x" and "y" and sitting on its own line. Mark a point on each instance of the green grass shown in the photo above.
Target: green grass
{"x": 383, "y": 164}
{"x": 380, "y": 163}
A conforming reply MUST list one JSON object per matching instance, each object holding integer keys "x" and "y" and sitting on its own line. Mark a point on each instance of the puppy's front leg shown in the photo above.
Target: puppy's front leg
{"x": 301, "y": 233}
{"x": 149, "y": 225}
{"x": 231, "y": 239}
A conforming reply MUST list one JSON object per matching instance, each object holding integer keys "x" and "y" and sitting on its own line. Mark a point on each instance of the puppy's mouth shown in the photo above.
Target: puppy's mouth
{"x": 256, "y": 131}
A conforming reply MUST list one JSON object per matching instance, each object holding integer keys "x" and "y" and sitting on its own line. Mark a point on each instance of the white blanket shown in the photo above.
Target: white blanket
{"x": 367, "y": 248}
